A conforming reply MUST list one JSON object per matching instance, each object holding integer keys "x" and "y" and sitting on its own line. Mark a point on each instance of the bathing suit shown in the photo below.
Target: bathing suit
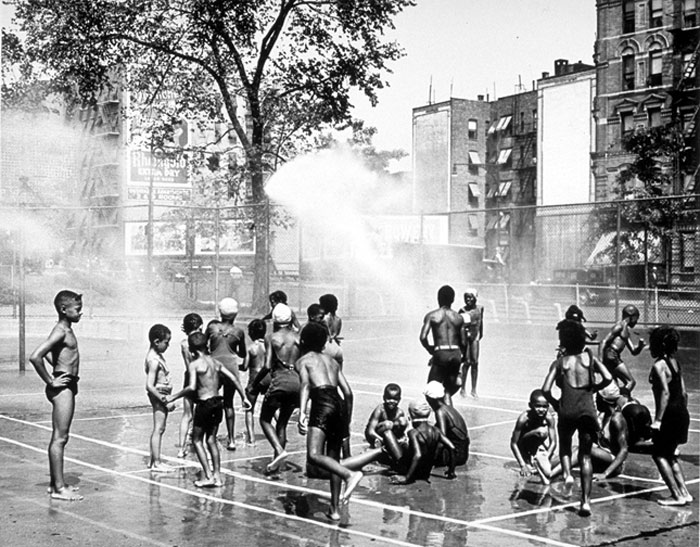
{"x": 208, "y": 413}
{"x": 458, "y": 434}
{"x": 676, "y": 420}
{"x": 577, "y": 411}
{"x": 283, "y": 391}
{"x": 72, "y": 385}
{"x": 445, "y": 366}
{"x": 611, "y": 358}
{"x": 328, "y": 413}
{"x": 163, "y": 383}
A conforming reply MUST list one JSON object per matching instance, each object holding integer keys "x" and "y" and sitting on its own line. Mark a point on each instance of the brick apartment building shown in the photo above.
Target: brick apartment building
{"x": 646, "y": 54}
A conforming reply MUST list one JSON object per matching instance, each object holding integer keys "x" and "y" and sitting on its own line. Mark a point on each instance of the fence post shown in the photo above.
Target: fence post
{"x": 617, "y": 260}
{"x": 216, "y": 252}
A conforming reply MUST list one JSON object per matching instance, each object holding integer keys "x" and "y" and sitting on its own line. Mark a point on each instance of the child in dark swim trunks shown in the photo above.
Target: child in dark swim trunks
{"x": 60, "y": 350}
{"x": 612, "y": 346}
{"x": 671, "y": 419}
{"x": 328, "y": 425}
{"x": 192, "y": 322}
{"x": 158, "y": 386}
{"x": 387, "y": 424}
{"x": 206, "y": 375}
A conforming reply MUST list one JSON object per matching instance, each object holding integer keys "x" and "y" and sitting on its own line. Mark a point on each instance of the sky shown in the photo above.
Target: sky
{"x": 474, "y": 47}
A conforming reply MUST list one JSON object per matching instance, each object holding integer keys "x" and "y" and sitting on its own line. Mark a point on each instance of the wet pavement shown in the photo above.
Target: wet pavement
{"x": 488, "y": 504}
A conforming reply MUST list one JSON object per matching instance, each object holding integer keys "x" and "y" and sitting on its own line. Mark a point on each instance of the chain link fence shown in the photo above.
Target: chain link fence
{"x": 529, "y": 264}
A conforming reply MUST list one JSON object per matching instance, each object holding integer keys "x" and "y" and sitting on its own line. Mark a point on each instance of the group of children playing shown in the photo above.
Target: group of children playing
{"x": 301, "y": 367}
{"x": 596, "y": 403}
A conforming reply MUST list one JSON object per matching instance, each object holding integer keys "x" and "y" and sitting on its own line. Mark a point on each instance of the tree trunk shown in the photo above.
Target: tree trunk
{"x": 261, "y": 277}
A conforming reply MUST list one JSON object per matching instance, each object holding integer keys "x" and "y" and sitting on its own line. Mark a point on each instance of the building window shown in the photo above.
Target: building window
{"x": 655, "y": 67}
{"x": 689, "y": 11}
{"x": 474, "y": 162}
{"x": 688, "y": 252}
{"x": 504, "y": 156}
{"x": 654, "y": 116}
{"x": 627, "y": 16}
{"x": 473, "y": 221}
{"x": 656, "y": 12}
{"x": 688, "y": 66}
{"x": 474, "y": 192}
{"x": 534, "y": 119}
{"x": 472, "y": 128}
{"x": 626, "y": 122}
{"x": 627, "y": 72}
{"x": 522, "y": 122}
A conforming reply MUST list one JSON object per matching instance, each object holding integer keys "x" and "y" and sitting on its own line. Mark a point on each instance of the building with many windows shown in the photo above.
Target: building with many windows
{"x": 646, "y": 56}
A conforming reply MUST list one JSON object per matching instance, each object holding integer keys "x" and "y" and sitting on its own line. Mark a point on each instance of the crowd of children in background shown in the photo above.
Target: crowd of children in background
{"x": 293, "y": 367}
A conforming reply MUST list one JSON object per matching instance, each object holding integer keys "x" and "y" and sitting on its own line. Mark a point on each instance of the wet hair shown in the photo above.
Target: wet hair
{"x": 536, "y": 394}
{"x": 197, "y": 341}
{"x": 392, "y": 391}
{"x": 663, "y": 341}
{"x": 313, "y": 309}
{"x": 65, "y": 298}
{"x": 280, "y": 297}
{"x": 445, "y": 295}
{"x": 329, "y": 303}
{"x": 191, "y": 322}
{"x": 257, "y": 329}
{"x": 630, "y": 310}
{"x": 572, "y": 336}
{"x": 158, "y": 332}
{"x": 313, "y": 337}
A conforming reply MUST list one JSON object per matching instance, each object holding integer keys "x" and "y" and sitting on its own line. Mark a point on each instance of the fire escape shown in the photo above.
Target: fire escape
{"x": 97, "y": 224}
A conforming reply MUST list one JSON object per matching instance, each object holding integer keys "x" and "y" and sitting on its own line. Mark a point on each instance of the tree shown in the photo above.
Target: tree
{"x": 291, "y": 62}
{"x": 652, "y": 204}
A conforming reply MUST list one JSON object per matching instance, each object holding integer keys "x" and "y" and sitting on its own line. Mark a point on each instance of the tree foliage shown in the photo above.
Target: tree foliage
{"x": 268, "y": 70}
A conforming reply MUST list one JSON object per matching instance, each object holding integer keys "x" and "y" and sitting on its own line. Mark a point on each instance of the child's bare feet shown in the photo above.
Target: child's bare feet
{"x": 474, "y": 395}
{"x": 350, "y": 485}
{"x": 332, "y": 515}
{"x": 275, "y": 463}
{"x": 161, "y": 467}
{"x": 50, "y": 490}
{"x": 231, "y": 446}
{"x": 585, "y": 509}
{"x": 182, "y": 453}
{"x": 672, "y": 502}
{"x": 208, "y": 483}
{"x": 66, "y": 494}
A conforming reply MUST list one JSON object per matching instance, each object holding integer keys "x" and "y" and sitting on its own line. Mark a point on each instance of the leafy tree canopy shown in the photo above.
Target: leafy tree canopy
{"x": 267, "y": 70}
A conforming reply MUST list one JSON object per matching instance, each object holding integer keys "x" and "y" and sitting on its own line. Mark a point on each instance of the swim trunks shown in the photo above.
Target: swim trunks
{"x": 577, "y": 410}
{"x": 611, "y": 358}
{"x": 328, "y": 412}
{"x": 445, "y": 368}
{"x": 208, "y": 413}
{"x": 72, "y": 385}
{"x": 282, "y": 393}
{"x": 676, "y": 419}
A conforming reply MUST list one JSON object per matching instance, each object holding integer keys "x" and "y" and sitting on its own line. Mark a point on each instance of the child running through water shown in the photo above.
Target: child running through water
{"x": 328, "y": 424}
{"x": 205, "y": 380}
{"x": 671, "y": 418}
{"x": 534, "y": 438}
{"x": 158, "y": 387}
{"x": 60, "y": 350}
{"x": 192, "y": 322}
{"x": 254, "y": 364}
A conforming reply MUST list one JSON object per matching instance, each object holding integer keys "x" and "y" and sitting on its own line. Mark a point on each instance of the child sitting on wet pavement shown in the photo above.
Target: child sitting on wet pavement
{"x": 387, "y": 424}
{"x": 534, "y": 438}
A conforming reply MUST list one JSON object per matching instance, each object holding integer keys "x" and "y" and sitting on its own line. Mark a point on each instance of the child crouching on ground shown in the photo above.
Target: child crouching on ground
{"x": 534, "y": 438}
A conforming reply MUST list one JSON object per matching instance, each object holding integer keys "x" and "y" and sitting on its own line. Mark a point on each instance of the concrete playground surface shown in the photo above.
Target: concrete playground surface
{"x": 488, "y": 504}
